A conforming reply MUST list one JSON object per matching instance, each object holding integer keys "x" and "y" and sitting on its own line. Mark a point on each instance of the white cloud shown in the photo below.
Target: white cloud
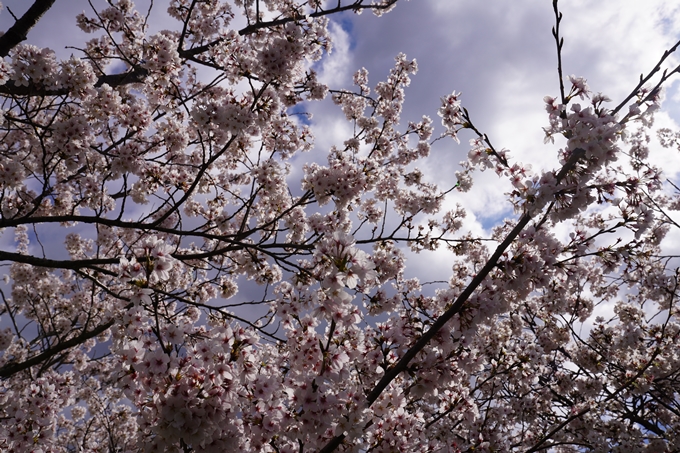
{"x": 336, "y": 67}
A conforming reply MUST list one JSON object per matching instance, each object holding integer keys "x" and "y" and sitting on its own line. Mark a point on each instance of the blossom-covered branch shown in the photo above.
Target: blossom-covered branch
{"x": 174, "y": 288}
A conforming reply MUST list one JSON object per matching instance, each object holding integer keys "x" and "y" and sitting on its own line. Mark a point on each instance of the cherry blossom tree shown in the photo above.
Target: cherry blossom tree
{"x": 169, "y": 181}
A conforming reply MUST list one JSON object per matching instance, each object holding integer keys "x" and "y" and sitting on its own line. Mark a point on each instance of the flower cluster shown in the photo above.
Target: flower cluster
{"x": 31, "y": 64}
{"x": 213, "y": 293}
{"x": 452, "y": 115}
{"x": 154, "y": 264}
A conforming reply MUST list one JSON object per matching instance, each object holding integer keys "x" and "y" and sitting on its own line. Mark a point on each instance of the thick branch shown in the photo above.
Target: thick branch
{"x": 20, "y": 29}
{"x": 12, "y": 368}
{"x": 136, "y": 76}
{"x": 60, "y": 264}
{"x": 457, "y": 306}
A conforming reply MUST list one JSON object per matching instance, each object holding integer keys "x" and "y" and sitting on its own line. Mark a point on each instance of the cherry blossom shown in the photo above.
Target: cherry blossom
{"x": 171, "y": 180}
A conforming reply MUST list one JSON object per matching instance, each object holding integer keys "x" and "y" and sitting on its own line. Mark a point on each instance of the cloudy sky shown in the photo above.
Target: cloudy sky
{"x": 502, "y": 57}
{"x": 499, "y": 53}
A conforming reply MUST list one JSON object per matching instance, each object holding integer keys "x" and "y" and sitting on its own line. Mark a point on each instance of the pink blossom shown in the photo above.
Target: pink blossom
{"x": 220, "y": 290}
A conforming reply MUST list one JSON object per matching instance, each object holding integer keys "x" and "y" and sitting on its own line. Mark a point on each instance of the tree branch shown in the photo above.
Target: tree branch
{"x": 457, "y": 306}
{"x": 19, "y": 31}
{"x": 12, "y": 368}
{"x": 60, "y": 264}
{"x": 356, "y": 6}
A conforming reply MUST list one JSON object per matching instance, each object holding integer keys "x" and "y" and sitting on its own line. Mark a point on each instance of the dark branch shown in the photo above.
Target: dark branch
{"x": 356, "y": 6}
{"x": 13, "y": 368}
{"x": 136, "y": 76}
{"x": 646, "y": 78}
{"x": 559, "y": 42}
{"x": 60, "y": 264}
{"x": 19, "y": 31}
{"x": 457, "y": 306}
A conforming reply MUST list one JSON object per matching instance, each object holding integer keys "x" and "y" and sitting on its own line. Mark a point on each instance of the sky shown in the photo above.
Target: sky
{"x": 502, "y": 57}
{"x": 499, "y": 53}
